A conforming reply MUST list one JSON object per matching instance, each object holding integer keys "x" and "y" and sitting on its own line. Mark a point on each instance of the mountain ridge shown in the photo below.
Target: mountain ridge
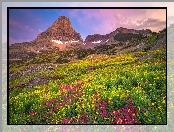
{"x": 62, "y": 36}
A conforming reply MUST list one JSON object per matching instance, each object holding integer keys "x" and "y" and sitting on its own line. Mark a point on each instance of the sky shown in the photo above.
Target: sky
{"x": 22, "y": 36}
{"x": 26, "y": 24}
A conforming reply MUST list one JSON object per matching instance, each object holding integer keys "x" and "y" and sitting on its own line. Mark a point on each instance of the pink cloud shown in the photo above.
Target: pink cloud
{"x": 135, "y": 18}
{"x": 109, "y": 20}
{"x": 153, "y": 24}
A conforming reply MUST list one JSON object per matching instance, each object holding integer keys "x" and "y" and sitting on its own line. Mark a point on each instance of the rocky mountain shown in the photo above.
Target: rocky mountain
{"x": 93, "y": 40}
{"x": 120, "y": 34}
{"x": 59, "y": 36}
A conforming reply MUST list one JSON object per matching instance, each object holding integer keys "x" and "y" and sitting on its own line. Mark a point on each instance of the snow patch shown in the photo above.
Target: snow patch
{"x": 97, "y": 41}
{"x": 74, "y": 41}
{"x": 57, "y": 41}
{"x": 60, "y": 42}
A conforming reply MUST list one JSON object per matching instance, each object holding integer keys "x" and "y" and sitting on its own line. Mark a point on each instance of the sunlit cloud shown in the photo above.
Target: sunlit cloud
{"x": 104, "y": 21}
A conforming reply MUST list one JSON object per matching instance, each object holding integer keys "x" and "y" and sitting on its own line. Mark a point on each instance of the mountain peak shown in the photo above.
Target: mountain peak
{"x": 62, "y": 20}
{"x": 60, "y": 34}
{"x": 63, "y": 17}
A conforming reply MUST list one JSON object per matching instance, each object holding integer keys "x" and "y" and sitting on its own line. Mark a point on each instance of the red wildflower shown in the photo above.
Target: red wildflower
{"x": 55, "y": 99}
{"x": 48, "y": 103}
{"x": 32, "y": 113}
{"x": 104, "y": 103}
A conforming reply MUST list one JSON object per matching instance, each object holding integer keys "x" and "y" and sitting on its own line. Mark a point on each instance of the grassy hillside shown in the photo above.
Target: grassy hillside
{"x": 129, "y": 88}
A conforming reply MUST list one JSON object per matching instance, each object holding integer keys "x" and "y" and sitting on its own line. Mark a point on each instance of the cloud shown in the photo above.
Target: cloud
{"x": 137, "y": 19}
{"x": 104, "y": 21}
{"x": 153, "y": 24}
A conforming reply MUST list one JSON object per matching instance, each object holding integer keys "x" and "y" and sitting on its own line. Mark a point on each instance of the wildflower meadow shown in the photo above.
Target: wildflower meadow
{"x": 106, "y": 89}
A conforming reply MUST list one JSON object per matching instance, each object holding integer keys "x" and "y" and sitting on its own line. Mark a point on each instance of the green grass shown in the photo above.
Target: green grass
{"x": 105, "y": 90}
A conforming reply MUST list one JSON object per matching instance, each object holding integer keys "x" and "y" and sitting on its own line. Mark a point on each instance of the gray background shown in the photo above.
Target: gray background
{"x": 90, "y": 128}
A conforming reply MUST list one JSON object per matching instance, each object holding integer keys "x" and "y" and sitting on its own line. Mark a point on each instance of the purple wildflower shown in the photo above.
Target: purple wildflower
{"x": 49, "y": 103}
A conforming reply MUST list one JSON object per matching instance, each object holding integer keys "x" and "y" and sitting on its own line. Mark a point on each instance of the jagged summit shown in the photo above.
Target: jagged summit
{"x": 60, "y": 29}
{"x": 62, "y": 21}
